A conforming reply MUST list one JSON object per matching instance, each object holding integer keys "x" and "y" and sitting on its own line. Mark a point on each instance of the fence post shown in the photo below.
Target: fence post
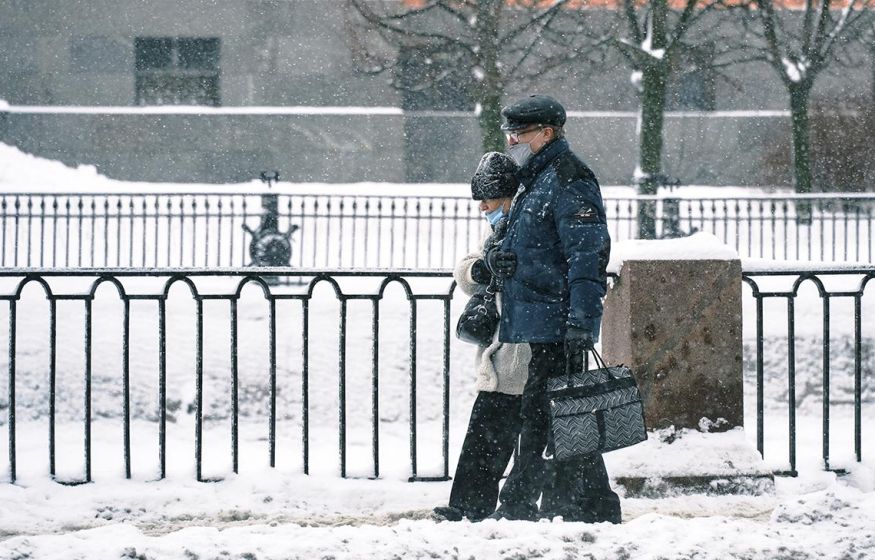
{"x": 269, "y": 246}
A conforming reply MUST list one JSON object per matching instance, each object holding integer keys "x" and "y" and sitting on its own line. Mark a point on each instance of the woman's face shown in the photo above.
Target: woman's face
{"x": 490, "y": 204}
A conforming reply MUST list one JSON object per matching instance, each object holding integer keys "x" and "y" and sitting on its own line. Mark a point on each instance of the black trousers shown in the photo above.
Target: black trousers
{"x": 577, "y": 489}
{"x": 486, "y": 451}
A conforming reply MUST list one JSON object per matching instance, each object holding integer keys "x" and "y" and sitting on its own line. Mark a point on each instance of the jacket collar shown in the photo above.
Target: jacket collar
{"x": 540, "y": 160}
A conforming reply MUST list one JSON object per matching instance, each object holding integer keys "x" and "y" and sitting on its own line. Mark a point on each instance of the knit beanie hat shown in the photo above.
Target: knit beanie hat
{"x": 495, "y": 177}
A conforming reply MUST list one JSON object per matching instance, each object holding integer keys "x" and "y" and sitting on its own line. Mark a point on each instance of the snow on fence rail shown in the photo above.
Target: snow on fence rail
{"x": 350, "y": 231}
{"x": 243, "y": 359}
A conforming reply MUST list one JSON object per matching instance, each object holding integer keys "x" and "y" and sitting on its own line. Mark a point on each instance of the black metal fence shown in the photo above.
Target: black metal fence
{"x": 277, "y": 286}
{"x": 344, "y": 231}
{"x": 831, "y": 285}
{"x": 282, "y": 286}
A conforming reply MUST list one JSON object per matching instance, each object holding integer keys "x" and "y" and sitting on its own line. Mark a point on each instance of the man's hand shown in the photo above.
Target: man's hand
{"x": 577, "y": 343}
{"x": 501, "y": 264}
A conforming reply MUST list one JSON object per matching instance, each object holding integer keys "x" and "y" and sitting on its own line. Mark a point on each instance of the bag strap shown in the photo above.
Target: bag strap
{"x": 599, "y": 362}
{"x": 489, "y": 292}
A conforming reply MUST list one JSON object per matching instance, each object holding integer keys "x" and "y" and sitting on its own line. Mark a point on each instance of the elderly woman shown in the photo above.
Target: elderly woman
{"x": 501, "y": 368}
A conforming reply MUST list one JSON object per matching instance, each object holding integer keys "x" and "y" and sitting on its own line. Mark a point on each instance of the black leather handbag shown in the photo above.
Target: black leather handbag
{"x": 595, "y": 411}
{"x": 479, "y": 320}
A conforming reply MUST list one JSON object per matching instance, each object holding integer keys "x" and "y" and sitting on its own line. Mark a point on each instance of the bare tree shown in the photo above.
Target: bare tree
{"x": 652, "y": 36}
{"x": 481, "y": 44}
{"x": 799, "y": 44}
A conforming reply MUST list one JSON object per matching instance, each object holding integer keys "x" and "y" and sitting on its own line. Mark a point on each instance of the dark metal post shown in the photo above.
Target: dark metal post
{"x": 272, "y": 358}
{"x": 126, "y": 381}
{"x": 11, "y": 388}
{"x": 825, "y": 381}
{"x": 375, "y": 385}
{"x": 446, "y": 397}
{"x": 791, "y": 380}
{"x": 412, "y": 388}
{"x": 342, "y": 387}
{"x": 234, "y": 388}
{"x": 162, "y": 386}
{"x": 16, "y": 221}
{"x": 759, "y": 305}
{"x": 305, "y": 386}
{"x": 88, "y": 339}
{"x": 858, "y": 351}
{"x": 199, "y": 390}
{"x": 53, "y": 333}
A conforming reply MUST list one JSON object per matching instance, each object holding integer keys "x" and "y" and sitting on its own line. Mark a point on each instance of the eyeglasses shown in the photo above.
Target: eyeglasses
{"x": 515, "y": 136}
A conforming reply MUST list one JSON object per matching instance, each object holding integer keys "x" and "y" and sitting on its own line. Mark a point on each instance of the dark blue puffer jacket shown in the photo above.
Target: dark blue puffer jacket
{"x": 558, "y": 230}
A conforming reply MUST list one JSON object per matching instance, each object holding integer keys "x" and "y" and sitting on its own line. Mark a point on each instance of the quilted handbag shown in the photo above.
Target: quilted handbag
{"x": 478, "y": 321}
{"x": 595, "y": 411}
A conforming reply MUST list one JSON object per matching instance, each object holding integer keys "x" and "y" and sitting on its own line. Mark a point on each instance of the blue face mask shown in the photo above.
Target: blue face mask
{"x": 495, "y": 215}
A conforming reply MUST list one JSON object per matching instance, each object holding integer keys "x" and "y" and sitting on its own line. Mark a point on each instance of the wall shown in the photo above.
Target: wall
{"x": 282, "y": 53}
{"x": 274, "y": 52}
{"x": 235, "y": 145}
{"x": 291, "y": 52}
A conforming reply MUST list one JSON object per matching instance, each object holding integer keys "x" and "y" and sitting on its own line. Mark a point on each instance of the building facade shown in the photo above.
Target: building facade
{"x": 114, "y": 83}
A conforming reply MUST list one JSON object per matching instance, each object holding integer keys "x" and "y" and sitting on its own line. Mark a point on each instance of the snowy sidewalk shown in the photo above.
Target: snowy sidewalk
{"x": 271, "y": 515}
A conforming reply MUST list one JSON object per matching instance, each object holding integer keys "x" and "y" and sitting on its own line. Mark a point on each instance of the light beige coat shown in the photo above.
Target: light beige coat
{"x": 501, "y": 367}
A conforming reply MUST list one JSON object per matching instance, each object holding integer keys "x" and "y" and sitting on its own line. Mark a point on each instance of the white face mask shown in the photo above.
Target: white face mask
{"x": 520, "y": 153}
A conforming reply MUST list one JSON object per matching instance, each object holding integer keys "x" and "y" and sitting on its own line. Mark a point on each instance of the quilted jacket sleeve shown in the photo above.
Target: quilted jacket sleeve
{"x": 586, "y": 244}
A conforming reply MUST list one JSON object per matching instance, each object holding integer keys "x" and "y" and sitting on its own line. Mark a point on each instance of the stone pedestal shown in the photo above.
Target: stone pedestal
{"x": 677, "y": 325}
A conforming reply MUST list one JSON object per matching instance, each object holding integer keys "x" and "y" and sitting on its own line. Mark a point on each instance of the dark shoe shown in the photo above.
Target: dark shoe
{"x": 573, "y": 514}
{"x": 448, "y": 513}
{"x": 515, "y": 514}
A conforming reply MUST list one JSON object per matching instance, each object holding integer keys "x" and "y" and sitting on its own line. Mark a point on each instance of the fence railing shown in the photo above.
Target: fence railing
{"x": 290, "y": 302}
{"x": 342, "y": 231}
{"x": 831, "y": 285}
{"x": 225, "y": 287}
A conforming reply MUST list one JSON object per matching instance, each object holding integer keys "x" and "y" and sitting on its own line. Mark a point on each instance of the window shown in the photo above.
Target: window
{"x": 177, "y": 71}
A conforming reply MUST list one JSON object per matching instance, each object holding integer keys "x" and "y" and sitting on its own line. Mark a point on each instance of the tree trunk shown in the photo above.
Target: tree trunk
{"x": 653, "y": 86}
{"x": 801, "y": 141}
{"x": 490, "y": 121}
{"x": 490, "y": 90}
{"x": 799, "y": 95}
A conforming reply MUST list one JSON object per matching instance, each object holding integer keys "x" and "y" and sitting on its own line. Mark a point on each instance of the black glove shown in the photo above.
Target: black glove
{"x": 501, "y": 264}
{"x": 480, "y": 272}
{"x": 577, "y": 343}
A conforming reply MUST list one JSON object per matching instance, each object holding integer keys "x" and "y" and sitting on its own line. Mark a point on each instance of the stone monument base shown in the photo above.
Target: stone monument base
{"x": 677, "y": 462}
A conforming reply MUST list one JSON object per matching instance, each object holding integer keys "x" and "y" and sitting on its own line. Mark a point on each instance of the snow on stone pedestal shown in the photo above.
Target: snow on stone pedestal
{"x": 674, "y": 317}
{"x": 688, "y": 461}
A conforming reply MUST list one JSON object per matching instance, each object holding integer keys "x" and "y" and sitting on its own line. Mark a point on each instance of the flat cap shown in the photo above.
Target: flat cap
{"x": 534, "y": 109}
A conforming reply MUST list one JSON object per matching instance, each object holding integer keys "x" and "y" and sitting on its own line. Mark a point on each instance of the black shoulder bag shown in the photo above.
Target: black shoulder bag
{"x": 478, "y": 321}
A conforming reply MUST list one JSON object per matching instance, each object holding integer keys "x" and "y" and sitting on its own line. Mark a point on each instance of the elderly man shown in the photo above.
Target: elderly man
{"x": 553, "y": 262}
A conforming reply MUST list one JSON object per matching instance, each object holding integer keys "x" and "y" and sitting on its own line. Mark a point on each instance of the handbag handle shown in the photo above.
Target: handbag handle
{"x": 599, "y": 362}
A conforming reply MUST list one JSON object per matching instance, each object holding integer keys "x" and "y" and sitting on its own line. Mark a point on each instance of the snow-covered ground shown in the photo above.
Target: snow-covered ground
{"x": 265, "y": 513}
